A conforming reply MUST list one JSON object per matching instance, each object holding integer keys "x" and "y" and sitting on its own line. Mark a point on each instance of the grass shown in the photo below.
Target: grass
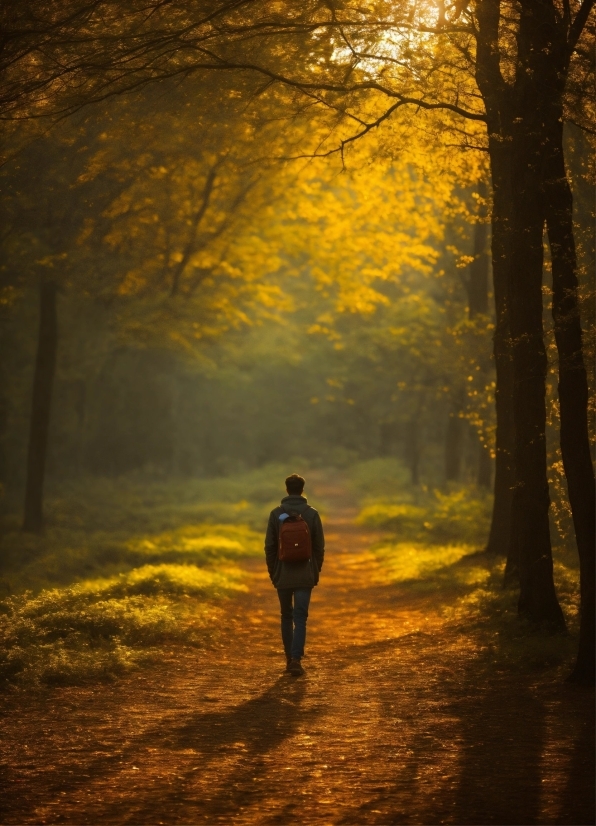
{"x": 433, "y": 547}
{"x": 123, "y": 568}
{"x": 458, "y": 514}
{"x": 466, "y": 588}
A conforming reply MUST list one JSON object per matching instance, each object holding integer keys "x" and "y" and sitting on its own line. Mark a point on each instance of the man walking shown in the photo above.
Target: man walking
{"x": 294, "y": 579}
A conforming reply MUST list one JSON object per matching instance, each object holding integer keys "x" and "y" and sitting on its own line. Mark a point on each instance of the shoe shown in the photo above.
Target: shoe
{"x": 288, "y": 661}
{"x": 295, "y": 668}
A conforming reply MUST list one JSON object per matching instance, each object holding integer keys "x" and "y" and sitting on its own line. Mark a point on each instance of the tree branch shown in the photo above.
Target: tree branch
{"x": 578, "y": 24}
{"x": 199, "y": 215}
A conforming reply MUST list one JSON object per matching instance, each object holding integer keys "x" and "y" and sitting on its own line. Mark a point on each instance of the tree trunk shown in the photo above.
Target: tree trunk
{"x": 45, "y": 367}
{"x": 479, "y": 268}
{"x": 573, "y": 392}
{"x": 531, "y": 501}
{"x": 499, "y": 539}
{"x": 545, "y": 40}
{"x": 498, "y": 101}
{"x": 478, "y": 305}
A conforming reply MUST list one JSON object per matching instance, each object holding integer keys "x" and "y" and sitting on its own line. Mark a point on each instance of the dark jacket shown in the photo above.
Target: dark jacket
{"x": 295, "y": 574}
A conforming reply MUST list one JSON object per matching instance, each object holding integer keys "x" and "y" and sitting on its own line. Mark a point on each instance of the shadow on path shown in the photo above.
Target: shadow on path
{"x": 225, "y": 752}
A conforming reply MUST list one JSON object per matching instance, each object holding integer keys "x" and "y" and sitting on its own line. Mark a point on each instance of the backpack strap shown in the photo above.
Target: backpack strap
{"x": 285, "y": 515}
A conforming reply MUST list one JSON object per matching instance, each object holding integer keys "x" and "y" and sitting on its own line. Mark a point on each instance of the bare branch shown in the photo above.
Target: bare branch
{"x": 198, "y": 217}
{"x": 577, "y": 27}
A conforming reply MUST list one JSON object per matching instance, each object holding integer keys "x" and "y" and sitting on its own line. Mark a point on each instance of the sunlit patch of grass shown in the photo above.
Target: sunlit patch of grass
{"x": 121, "y": 568}
{"x": 62, "y": 557}
{"x": 68, "y": 636}
{"x": 458, "y": 515}
{"x": 465, "y": 590}
{"x": 406, "y": 561}
{"x": 200, "y": 544}
{"x": 398, "y": 517}
{"x": 101, "y": 628}
{"x": 169, "y": 579}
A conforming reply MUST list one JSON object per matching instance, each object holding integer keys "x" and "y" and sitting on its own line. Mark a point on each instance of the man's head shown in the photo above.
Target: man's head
{"x": 295, "y": 485}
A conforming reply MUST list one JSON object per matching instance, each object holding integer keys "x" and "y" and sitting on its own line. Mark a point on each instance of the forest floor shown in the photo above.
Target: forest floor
{"x": 401, "y": 718}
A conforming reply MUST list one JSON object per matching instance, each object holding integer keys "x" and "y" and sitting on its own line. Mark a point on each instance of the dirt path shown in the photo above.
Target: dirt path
{"x": 394, "y": 722}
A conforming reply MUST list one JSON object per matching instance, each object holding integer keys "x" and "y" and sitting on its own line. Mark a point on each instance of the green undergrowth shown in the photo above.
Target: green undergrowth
{"x": 123, "y": 568}
{"x": 101, "y": 628}
{"x": 455, "y": 514}
{"x": 433, "y": 547}
{"x": 467, "y": 588}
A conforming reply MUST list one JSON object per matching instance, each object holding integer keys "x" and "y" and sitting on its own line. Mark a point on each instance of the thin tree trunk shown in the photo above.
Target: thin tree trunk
{"x": 453, "y": 446}
{"x": 45, "y": 368}
{"x": 573, "y": 394}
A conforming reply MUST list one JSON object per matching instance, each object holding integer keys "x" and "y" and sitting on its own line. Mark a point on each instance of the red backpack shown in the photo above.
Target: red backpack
{"x": 294, "y": 539}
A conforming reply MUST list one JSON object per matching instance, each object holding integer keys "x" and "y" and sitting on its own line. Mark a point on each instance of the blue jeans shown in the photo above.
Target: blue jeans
{"x": 293, "y": 619}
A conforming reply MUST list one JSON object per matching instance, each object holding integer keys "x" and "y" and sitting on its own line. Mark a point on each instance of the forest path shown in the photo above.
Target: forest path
{"x": 395, "y": 721}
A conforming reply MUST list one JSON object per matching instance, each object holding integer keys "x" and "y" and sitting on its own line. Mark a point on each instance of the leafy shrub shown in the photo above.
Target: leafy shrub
{"x": 67, "y": 636}
{"x": 462, "y": 515}
{"x": 103, "y": 627}
{"x": 173, "y": 580}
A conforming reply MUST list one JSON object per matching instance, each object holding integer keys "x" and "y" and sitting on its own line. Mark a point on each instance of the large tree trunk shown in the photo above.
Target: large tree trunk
{"x": 573, "y": 391}
{"x": 531, "y": 501}
{"x": 45, "y": 368}
{"x": 497, "y": 98}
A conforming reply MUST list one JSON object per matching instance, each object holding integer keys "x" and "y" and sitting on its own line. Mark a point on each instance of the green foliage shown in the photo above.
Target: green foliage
{"x": 86, "y": 633}
{"x": 171, "y": 579}
{"x": 197, "y": 544}
{"x": 125, "y": 567}
{"x": 407, "y": 562}
{"x": 137, "y": 502}
{"x": 466, "y": 588}
{"x": 459, "y": 514}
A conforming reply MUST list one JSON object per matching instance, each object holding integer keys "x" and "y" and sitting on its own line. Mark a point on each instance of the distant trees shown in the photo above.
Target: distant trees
{"x": 156, "y": 227}
{"x": 47, "y": 200}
